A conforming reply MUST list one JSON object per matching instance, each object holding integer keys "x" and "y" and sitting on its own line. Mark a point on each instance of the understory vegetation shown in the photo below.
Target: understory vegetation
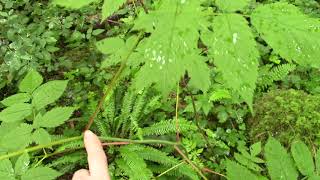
{"x": 175, "y": 89}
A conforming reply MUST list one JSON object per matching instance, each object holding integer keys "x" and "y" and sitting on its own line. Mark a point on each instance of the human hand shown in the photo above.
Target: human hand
{"x": 97, "y": 160}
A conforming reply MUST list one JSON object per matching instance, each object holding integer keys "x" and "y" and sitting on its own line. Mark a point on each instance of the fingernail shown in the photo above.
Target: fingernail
{"x": 88, "y": 133}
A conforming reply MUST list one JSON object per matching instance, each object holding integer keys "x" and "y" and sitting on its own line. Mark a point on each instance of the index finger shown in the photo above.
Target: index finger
{"x": 97, "y": 158}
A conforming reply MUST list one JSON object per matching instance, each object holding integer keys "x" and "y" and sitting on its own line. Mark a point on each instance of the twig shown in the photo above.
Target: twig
{"x": 115, "y": 143}
{"x": 113, "y": 83}
{"x": 170, "y": 169}
{"x": 213, "y": 172}
{"x": 190, "y": 162}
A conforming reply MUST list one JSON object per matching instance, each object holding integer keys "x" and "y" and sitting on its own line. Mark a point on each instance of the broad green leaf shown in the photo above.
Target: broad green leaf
{"x": 233, "y": 48}
{"x": 290, "y": 33}
{"x": 317, "y": 160}
{"x": 171, "y": 50}
{"x": 111, "y": 6}
{"x": 6, "y": 170}
{"x": 303, "y": 158}
{"x": 40, "y": 173}
{"x": 232, "y": 5}
{"x": 55, "y": 117}
{"x": 74, "y": 4}
{"x": 22, "y": 164}
{"x": 30, "y": 82}
{"x": 16, "y": 99}
{"x": 238, "y": 172}
{"x": 110, "y": 45}
{"x": 16, "y": 139}
{"x": 17, "y": 112}
{"x": 280, "y": 164}
{"x": 41, "y": 136}
{"x": 255, "y": 149}
{"x": 48, "y": 93}
{"x": 247, "y": 162}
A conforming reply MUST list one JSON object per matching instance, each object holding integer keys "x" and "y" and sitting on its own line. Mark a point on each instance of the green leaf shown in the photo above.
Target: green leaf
{"x": 48, "y": 93}
{"x": 292, "y": 34}
{"x": 110, "y": 45}
{"x": 220, "y": 94}
{"x": 303, "y": 158}
{"x": 233, "y": 48}
{"x": 16, "y": 112}
{"x": 22, "y": 164}
{"x": 111, "y": 6}
{"x": 55, "y": 117}
{"x": 255, "y": 149}
{"x": 41, "y": 136}
{"x": 232, "y": 5}
{"x": 280, "y": 164}
{"x": 247, "y": 162}
{"x": 238, "y": 172}
{"x": 314, "y": 177}
{"x": 172, "y": 49}
{"x": 74, "y": 4}
{"x": 40, "y": 173}
{"x": 18, "y": 138}
{"x": 16, "y": 99}
{"x": 30, "y": 82}
{"x": 6, "y": 170}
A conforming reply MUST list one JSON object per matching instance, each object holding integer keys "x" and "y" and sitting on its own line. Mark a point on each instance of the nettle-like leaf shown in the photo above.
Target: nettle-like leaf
{"x": 232, "y": 5}
{"x": 292, "y": 34}
{"x": 30, "y": 82}
{"x": 40, "y": 173}
{"x": 54, "y": 117}
{"x": 74, "y": 4}
{"x": 280, "y": 164}
{"x": 237, "y": 172}
{"x": 16, "y": 112}
{"x": 110, "y": 6}
{"x": 16, "y": 99}
{"x": 22, "y": 164}
{"x": 171, "y": 50}
{"x": 6, "y": 170}
{"x": 48, "y": 93}
{"x": 17, "y": 138}
{"x": 303, "y": 158}
{"x": 41, "y": 136}
{"x": 233, "y": 48}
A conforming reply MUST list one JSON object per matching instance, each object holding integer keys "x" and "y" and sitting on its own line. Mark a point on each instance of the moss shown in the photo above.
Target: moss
{"x": 286, "y": 115}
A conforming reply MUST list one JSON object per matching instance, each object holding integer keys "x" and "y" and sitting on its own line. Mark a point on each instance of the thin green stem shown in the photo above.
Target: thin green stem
{"x": 170, "y": 169}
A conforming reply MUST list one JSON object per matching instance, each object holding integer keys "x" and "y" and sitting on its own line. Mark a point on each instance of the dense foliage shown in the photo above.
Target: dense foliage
{"x": 185, "y": 89}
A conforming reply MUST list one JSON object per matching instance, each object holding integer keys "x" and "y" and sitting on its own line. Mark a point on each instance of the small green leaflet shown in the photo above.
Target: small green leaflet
{"x": 41, "y": 136}
{"x": 255, "y": 149}
{"x": 303, "y": 158}
{"x": 292, "y": 34}
{"x": 6, "y": 170}
{"x": 280, "y": 164}
{"x": 74, "y": 4}
{"x": 55, "y": 117}
{"x": 110, "y": 6}
{"x": 48, "y": 93}
{"x": 22, "y": 164}
{"x": 233, "y": 48}
{"x": 171, "y": 50}
{"x": 237, "y": 172}
{"x": 21, "y": 136}
{"x": 16, "y": 112}
{"x": 232, "y": 5}
{"x": 16, "y": 99}
{"x": 30, "y": 82}
{"x": 40, "y": 173}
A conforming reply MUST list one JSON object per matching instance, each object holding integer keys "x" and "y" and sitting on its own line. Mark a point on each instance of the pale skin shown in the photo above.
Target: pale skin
{"x": 97, "y": 160}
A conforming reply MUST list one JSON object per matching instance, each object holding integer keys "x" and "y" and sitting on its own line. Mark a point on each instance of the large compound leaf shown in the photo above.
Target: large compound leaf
{"x": 280, "y": 164}
{"x": 303, "y": 158}
{"x": 110, "y": 6}
{"x": 233, "y": 48}
{"x": 171, "y": 50}
{"x": 232, "y": 5}
{"x": 291, "y": 34}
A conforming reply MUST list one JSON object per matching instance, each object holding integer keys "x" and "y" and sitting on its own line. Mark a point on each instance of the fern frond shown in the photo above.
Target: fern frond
{"x": 169, "y": 127}
{"x": 268, "y": 75}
